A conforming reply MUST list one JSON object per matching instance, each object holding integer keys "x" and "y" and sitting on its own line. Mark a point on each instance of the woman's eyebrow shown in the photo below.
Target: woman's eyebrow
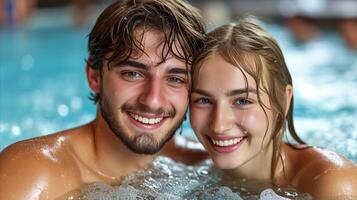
{"x": 241, "y": 91}
{"x": 229, "y": 93}
{"x": 201, "y": 92}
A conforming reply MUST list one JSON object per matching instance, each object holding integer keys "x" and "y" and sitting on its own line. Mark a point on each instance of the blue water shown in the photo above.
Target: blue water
{"x": 43, "y": 88}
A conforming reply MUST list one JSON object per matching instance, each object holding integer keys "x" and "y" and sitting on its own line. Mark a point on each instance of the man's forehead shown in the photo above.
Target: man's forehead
{"x": 158, "y": 60}
{"x": 147, "y": 61}
{"x": 153, "y": 42}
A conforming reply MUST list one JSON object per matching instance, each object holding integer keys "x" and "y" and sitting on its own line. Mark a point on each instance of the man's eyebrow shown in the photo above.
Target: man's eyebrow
{"x": 131, "y": 63}
{"x": 229, "y": 93}
{"x": 178, "y": 70}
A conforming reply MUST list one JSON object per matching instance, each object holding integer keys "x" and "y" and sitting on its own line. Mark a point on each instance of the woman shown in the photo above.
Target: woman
{"x": 241, "y": 102}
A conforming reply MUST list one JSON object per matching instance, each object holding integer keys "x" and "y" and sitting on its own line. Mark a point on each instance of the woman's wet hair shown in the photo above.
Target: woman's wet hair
{"x": 115, "y": 31}
{"x": 253, "y": 50}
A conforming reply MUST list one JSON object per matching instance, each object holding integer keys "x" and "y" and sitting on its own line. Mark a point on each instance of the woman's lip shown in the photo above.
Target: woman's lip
{"x": 226, "y": 149}
{"x": 220, "y": 137}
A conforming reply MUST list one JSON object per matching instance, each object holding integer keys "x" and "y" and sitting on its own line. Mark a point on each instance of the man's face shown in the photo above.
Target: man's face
{"x": 144, "y": 100}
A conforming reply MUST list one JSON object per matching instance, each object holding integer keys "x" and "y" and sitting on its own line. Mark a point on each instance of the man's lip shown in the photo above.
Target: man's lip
{"x": 147, "y": 115}
{"x": 146, "y": 126}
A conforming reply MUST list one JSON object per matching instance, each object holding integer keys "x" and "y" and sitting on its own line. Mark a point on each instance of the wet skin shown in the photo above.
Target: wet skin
{"x": 234, "y": 130}
{"x": 222, "y": 112}
{"x": 140, "y": 100}
{"x": 144, "y": 100}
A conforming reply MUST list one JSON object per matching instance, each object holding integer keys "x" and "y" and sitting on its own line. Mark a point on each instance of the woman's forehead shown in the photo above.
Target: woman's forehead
{"x": 216, "y": 63}
{"x": 216, "y": 70}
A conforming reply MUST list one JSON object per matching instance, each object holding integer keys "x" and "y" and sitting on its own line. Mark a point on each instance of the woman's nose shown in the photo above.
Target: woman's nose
{"x": 222, "y": 119}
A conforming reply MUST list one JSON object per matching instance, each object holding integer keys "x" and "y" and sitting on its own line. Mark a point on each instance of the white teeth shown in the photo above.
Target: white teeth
{"x": 146, "y": 120}
{"x": 224, "y": 143}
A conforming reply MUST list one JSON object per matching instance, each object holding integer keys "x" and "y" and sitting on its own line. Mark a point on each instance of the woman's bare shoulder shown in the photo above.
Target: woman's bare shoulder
{"x": 323, "y": 173}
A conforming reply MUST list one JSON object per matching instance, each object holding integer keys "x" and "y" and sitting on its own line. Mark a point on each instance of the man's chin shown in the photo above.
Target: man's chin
{"x": 145, "y": 144}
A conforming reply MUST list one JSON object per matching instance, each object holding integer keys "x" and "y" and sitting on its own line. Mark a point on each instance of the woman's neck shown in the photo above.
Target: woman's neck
{"x": 258, "y": 167}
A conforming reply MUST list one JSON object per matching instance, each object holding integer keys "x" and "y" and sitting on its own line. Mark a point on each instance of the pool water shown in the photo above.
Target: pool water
{"x": 43, "y": 84}
{"x": 167, "y": 179}
{"x": 43, "y": 87}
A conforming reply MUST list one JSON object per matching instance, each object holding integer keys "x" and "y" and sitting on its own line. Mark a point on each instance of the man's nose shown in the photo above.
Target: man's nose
{"x": 153, "y": 94}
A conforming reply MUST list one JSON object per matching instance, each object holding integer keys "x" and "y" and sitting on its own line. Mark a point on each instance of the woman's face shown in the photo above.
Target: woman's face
{"x": 230, "y": 123}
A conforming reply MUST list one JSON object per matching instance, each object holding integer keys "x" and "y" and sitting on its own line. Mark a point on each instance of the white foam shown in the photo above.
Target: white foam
{"x": 167, "y": 179}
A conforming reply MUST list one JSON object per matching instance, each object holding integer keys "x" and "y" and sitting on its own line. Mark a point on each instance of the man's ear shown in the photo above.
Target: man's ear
{"x": 93, "y": 78}
{"x": 288, "y": 96}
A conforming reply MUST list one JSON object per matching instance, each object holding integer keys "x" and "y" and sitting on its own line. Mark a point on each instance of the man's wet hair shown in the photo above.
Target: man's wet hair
{"x": 114, "y": 38}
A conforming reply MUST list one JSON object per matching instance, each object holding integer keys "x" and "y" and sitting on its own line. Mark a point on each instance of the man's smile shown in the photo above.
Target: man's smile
{"x": 146, "y": 120}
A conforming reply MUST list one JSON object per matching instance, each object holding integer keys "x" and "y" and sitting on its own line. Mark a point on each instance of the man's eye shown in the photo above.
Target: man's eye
{"x": 176, "y": 80}
{"x": 130, "y": 75}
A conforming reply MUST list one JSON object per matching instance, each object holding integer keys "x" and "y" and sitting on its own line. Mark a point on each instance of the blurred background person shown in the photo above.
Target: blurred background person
{"x": 348, "y": 29}
{"x": 16, "y": 11}
{"x": 302, "y": 17}
{"x": 19, "y": 12}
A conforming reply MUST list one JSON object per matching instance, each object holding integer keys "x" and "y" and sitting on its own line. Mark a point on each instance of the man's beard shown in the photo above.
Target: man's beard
{"x": 144, "y": 143}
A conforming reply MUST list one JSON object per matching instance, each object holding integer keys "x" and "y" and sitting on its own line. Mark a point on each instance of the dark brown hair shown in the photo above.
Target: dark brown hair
{"x": 251, "y": 49}
{"x": 113, "y": 32}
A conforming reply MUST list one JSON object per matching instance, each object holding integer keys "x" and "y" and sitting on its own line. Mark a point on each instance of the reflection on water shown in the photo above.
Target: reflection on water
{"x": 167, "y": 179}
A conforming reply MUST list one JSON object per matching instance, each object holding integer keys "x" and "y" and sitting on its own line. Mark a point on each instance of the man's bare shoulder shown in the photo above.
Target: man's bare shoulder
{"x": 327, "y": 175}
{"x": 39, "y": 168}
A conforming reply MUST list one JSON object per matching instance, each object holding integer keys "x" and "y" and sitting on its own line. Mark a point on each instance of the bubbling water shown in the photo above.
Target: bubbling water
{"x": 167, "y": 179}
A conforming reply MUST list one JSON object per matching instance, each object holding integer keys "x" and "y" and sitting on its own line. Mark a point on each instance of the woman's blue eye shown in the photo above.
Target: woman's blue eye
{"x": 242, "y": 101}
{"x": 202, "y": 101}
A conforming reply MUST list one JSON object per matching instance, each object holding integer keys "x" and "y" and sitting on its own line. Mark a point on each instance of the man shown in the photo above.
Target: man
{"x": 138, "y": 68}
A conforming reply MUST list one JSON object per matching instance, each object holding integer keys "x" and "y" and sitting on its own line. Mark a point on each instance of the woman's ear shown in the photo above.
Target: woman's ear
{"x": 93, "y": 78}
{"x": 288, "y": 96}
